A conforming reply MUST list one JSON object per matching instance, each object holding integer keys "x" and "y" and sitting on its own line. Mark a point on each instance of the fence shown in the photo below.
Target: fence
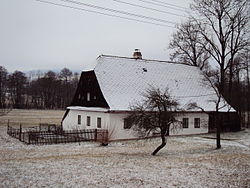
{"x": 57, "y": 135}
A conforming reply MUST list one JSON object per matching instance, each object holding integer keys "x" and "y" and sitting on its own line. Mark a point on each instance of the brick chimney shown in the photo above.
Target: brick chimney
{"x": 137, "y": 54}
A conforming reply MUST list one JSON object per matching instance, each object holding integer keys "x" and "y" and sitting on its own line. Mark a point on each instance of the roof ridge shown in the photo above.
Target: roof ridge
{"x": 160, "y": 61}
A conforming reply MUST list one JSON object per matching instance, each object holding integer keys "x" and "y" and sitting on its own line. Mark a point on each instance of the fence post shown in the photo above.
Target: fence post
{"x": 95, "y": 135}
{"x": 8, "y": 129}
{"x": 28, "y": 138}
{"x": 20, "y": 132}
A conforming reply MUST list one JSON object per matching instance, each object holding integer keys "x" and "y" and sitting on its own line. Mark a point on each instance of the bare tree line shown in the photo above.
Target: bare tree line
{"x": 50, "y": 91}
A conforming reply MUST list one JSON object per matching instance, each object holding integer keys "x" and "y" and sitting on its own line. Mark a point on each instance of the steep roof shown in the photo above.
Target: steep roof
{"x": 124, "y": 80}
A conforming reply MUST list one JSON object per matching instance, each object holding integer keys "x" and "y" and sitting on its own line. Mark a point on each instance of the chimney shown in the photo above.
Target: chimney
{"x": 137, "y": 54}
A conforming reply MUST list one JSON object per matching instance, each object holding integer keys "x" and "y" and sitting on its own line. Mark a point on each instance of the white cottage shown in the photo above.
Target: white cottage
{"x": 105, "y": 94}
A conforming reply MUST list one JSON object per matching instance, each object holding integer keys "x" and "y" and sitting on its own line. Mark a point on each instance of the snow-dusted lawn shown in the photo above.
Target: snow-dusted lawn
{"x": 189, "y": 161}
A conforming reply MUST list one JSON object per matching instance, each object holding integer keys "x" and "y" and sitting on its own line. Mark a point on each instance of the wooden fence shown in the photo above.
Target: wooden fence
{"x": 56, "y": 135}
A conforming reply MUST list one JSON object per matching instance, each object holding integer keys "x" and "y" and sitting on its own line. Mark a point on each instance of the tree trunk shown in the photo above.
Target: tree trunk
{"x": 230, "y": 84}
{"x": 221, "y": 91}
{"x": 163, "y": 144}
{"x": 218, "y": 130}
{"x": 218, "y": 122}
{"x": 248, "y": 92}
{"x": 222, "y": 81}
{"x": 239, "y": 96}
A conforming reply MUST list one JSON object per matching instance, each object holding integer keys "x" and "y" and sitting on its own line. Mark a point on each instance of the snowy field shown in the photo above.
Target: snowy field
{"x": 189, "y": 161}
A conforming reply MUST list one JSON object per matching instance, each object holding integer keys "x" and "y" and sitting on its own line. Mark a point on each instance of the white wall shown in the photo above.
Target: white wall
{"x": 117, "y": 130}
{"x": 204, "y": 118}
{"x": 71, "y": 120}
{"x": 114, "y": 122}
{"x": 117, "y": 123}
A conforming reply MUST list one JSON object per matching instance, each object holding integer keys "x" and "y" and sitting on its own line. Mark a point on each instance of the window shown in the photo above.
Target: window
{"x": 99, "y": 122}
{"x": 88, "y": 96}
{"x": 197, "y": 123}
{"x": 185, "y": 122}
{"x": 80, "y": 97}
{"x": 88, "y": 121}
{"x": 127, "y": 124}
{"x": 79, "y": 119}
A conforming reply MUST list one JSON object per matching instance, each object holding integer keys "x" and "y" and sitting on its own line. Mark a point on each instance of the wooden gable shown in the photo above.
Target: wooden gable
{"x": 88, "y": 93}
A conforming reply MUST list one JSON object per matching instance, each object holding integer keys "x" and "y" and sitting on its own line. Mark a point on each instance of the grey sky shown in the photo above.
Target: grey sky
{"x": 36, "y": 35}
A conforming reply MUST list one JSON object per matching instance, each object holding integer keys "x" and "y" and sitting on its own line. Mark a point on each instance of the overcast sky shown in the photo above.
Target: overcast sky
{"x": 36, "y": 35}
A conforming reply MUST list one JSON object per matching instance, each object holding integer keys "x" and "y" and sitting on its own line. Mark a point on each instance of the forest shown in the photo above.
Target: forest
{"x": 49, "y": 90}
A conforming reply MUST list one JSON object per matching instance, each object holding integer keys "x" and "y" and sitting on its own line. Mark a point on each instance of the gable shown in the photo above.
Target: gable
{"x": 88, "y": 93}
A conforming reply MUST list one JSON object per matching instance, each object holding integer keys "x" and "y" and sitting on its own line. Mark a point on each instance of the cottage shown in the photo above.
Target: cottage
{"x": 105, "y": 94}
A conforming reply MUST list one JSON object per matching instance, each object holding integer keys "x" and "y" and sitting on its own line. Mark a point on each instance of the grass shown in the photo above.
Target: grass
{"x": 29, "y": 118}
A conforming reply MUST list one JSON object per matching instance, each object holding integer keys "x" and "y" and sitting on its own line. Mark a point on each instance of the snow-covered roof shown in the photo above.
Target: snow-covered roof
{"x": 92, "y": 109}
{"x": 124, "y": 80}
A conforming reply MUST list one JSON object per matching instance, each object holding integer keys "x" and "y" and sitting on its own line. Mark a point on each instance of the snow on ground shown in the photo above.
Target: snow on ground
{"x": 186, "y": 161}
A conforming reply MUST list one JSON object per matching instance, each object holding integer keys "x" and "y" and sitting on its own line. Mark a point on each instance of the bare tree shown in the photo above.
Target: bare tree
{"x": 17, "y": 84}
{"x": 239, "y": 36}
{"x": 65, "y": 74}
{"x": 245, "y": 57}
{"x": 219, "y": 104}
{"x": 4, "y": 106}
{"x": 189, "y": 46}
{"x": 248, "y": 85}
{"x": 156, "y": 113}
{"x": 218, "y": 101}
{"x": 226, "y": 25}
{"x": 50, "y": 85}
{"x": 3, "y": 87}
